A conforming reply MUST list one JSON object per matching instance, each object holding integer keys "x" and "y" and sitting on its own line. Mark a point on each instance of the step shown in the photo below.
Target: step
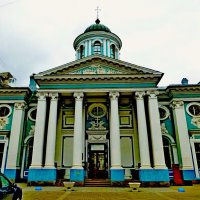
{"x": 97, "y": 183}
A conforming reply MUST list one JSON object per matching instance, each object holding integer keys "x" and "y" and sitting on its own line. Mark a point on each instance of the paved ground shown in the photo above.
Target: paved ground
{"x": 101, "y": 193}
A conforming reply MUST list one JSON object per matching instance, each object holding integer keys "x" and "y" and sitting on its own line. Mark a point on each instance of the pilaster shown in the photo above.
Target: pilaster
{"x": 182, "y": 137}
{"x": 14, "y": 149}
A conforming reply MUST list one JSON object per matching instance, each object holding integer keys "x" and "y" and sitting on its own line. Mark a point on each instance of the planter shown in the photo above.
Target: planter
{"x": 69, "y": 185}
{"x": 134, "y": 186}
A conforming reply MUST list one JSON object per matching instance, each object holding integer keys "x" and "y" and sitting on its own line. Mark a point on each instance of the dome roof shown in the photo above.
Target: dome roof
{"x": 97, "y": 27}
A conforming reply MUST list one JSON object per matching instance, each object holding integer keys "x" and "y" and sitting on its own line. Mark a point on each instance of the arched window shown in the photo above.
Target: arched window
{"x": 112, "y": 51}
{"x": 167, "y": 153}
{"x": 82, "y": 55}
{"x": 29, "y": 152}
{"x": 97, "y": 47}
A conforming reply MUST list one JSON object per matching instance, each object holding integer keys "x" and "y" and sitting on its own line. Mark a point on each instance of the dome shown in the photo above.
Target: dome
{"x": 97, "y": 27}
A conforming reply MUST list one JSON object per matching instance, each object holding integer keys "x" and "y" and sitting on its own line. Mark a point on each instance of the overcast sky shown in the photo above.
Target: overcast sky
{"x": 164, "y": 35}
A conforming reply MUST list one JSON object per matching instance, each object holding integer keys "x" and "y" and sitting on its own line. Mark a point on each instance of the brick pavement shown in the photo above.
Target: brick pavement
{"x": 110, "y": 193}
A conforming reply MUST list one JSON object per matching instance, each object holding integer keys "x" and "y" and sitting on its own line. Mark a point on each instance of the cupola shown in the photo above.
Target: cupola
{"x": 97, "y": 39}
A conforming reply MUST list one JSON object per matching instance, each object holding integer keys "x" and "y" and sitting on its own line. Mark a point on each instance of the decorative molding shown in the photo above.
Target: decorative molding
{"x": 152, "y": 94}
{"x": 164, "y": 129}
{"x": 3, "y": 122}
{"x": 78, "y": 96}
{"x": 114, "y": 95}
{"x": 42, "y": 96}
{"x": 97, "y": 69}
{"x": 32, "y": 130}
{"x": 54, "y": 95}
{"x": 20, "y": 106}
{"x": 176, "y": 104}
{"x": 139, "y": 95}
{"x": 10, "y": 110}
{"x": 196, "y": 121}
{"x": 29, "y": 113}
{"x": 166, "y": 110}
{"x": 196, "y": 110}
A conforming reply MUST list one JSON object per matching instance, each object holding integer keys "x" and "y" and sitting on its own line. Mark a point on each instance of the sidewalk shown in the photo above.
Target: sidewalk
{"x": 110, "y": 193}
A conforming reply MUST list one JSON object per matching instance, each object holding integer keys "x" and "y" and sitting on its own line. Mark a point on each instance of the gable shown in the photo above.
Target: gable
{"x": 98, "y": 65}
{"x": 98, "y": 70}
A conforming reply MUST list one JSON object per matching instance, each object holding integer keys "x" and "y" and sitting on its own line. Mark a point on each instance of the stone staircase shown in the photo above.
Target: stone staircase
{"x": 97, "y": 183}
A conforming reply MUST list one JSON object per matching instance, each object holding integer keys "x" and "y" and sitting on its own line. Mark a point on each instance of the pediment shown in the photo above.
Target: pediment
{"x": 97, "y": 65}
{"x": 98, "y": 69}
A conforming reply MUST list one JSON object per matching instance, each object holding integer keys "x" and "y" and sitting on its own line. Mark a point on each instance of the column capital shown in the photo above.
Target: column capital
{"x": 152, "y": 94}
{"x": 175, "y": 104}
{"x": 78, "y": 95}
{"x": 139, "y": 95}
{"x": 42, "y": 96}
{"x": 20, "y": 106}
{"x": 114, "y": 95}
{"x": 53, "y": 95}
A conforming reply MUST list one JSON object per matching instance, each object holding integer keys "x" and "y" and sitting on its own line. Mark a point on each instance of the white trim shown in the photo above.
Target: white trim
{"x": 10, "y": 110}
{"x": 166, "y": 110}
{"x": 190, "y": 104}
{"x": 29, "y": 113}
{"x": 192, "y": 141}
{"x": 5, "y": 141}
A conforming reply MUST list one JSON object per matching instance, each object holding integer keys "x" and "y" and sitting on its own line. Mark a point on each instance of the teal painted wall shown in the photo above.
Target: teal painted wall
{"x": 189, "y": 119}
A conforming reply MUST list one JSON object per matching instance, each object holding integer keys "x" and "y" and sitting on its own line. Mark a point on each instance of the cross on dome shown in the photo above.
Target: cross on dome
{"x": 98, "y": 10}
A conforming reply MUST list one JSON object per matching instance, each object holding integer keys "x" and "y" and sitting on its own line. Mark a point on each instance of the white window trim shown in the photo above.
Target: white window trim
{"x": 192, "y": 141}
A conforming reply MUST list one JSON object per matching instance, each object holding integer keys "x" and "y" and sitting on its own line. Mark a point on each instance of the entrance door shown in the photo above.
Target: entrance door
{"x": 97, "y": 163}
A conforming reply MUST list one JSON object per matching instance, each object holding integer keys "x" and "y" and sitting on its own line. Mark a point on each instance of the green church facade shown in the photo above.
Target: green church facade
{"x": 99, "y": 117}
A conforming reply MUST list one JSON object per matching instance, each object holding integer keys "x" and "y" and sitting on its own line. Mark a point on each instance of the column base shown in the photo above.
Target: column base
{"x": 154, "y": 175}
{"x": 117, "y": 175}
{"x": 42, "y": 175}
{"x": 12, "y": 174}
{"x": 77, "y": 175}
{"x": 188, "y": 175}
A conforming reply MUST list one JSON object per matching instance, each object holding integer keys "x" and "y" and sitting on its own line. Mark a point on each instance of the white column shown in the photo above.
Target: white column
{"x": 51, "y": 134}
{"x": 182, "y": 134}
{"x": 78, "y": 137}
{"x": 39, "y": 131}
{"x": 156, "y": 135}
{"x": 90, "y": 48}
{"x": 108, "y": 47}
{"x": 14, "y": 148}
{"x": 86, "y": 48}
{"x": 104, "y": 47}
{"x": 114, "y": 131}
{"x": 142, "y": 132}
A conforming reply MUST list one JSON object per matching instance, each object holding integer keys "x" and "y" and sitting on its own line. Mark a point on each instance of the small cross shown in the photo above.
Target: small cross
{"x": 97, "y": 11}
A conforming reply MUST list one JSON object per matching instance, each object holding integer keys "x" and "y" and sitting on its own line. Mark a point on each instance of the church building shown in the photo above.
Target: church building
{"x": 99, "y": 117}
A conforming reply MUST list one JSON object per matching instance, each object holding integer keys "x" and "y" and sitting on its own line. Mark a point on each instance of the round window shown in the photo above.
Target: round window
{"x": 5, "y": 110}
{"x": 97, "y": 110}
{"x": 164, "y": 112}
{"x": 32, "y": 113}
{"x": 193, "y": 109}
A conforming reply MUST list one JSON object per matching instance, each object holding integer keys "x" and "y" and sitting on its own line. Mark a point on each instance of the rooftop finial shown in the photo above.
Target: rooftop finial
{"x": 97, "y": 20}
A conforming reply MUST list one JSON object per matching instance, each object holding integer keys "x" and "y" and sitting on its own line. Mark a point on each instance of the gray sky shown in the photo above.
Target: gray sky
{"x": 164, "y": 35}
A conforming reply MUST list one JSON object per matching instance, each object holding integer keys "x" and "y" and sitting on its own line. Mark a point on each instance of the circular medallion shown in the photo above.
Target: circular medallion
{"x": 97, "y": 110}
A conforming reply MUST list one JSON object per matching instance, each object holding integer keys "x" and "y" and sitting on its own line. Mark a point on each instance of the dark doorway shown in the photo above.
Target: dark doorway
{"x": 97, "y": 161}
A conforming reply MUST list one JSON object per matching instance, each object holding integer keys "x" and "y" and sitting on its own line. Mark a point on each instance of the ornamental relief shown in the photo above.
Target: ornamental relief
{"x": 97, "y": 69}
{"x": 196, "y": 121}
{"x": 3, "y": 122}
